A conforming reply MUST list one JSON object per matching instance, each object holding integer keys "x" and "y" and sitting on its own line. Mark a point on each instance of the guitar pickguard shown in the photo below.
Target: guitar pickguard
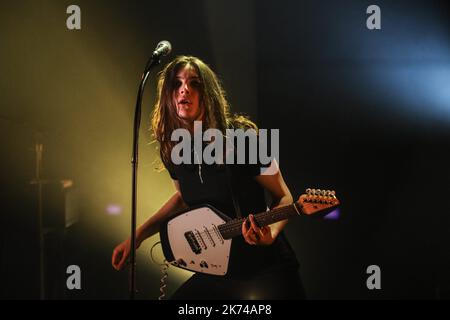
{"x": 195, "y": 242}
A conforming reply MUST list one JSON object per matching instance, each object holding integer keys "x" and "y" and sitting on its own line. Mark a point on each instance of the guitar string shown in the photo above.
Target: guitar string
{"x": 261, "y": 216}
{"x": 235, "y": 225}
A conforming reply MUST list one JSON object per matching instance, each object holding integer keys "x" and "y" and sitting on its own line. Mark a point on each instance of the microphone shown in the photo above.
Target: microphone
{"x": 162, "y": 49}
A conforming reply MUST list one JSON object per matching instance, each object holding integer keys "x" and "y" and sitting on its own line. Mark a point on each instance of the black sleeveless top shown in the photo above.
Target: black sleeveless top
{"x": 210, "y": 184}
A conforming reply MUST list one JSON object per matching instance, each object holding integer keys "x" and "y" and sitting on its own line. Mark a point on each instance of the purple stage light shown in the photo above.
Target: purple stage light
{"x": 114, "y": 209}
{"x": 333, "y": 215}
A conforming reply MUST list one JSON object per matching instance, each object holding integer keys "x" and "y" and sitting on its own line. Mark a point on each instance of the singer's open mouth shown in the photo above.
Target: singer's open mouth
{"x": 184, "y": 102}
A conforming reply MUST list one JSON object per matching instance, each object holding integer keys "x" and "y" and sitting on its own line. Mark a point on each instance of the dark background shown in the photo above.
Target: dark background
{"x": 365, "y": 112}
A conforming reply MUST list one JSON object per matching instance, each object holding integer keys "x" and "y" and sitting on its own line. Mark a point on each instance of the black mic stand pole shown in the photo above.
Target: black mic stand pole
{"x": 39, "y": 147}
{"x": 154, "y": 61}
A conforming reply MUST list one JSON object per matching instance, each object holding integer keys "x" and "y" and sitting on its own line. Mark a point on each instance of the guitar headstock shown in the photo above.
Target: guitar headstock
{"x": 316, "y": 201}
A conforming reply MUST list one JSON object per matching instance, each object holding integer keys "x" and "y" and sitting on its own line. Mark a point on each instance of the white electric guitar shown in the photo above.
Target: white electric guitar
{"x": 199, "y": 239}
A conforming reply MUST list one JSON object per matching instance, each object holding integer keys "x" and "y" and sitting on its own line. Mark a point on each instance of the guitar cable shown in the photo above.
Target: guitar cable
{"x": 164, "y": 266}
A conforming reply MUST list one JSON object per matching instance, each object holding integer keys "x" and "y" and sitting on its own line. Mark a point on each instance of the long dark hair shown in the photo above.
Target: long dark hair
{"x": 212, "y": 99}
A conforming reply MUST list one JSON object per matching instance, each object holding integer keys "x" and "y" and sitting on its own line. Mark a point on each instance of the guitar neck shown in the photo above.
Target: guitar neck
{"x": 233, "y": 228}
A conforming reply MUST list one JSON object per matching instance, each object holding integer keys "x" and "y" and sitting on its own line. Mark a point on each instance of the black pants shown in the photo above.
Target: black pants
{"x": 270, "y": 285}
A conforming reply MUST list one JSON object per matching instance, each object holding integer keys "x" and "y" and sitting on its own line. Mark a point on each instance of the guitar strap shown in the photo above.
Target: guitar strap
{"x": 237, "y": 208}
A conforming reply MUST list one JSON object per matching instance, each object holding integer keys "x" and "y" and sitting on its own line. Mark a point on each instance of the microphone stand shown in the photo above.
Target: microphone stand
{"x": 153, "y": 61}
{"x": 39, "y": 147}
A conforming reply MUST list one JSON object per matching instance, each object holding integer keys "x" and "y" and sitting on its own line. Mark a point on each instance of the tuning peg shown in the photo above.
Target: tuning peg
{"x": 320, "y": 194}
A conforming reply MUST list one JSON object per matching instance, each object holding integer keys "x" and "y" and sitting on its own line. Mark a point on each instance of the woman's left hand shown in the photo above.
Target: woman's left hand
{"x": 255, "y": 235}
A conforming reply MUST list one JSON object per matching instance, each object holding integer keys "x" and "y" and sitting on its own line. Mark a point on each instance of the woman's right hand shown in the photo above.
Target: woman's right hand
{"x": 120, "y": 254}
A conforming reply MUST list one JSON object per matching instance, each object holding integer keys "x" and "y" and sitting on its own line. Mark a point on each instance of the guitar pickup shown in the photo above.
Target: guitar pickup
{"x": 193, "y": 243}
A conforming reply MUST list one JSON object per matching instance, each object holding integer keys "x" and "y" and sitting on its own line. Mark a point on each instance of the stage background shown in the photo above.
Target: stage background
{"x": 365, "y": 112}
